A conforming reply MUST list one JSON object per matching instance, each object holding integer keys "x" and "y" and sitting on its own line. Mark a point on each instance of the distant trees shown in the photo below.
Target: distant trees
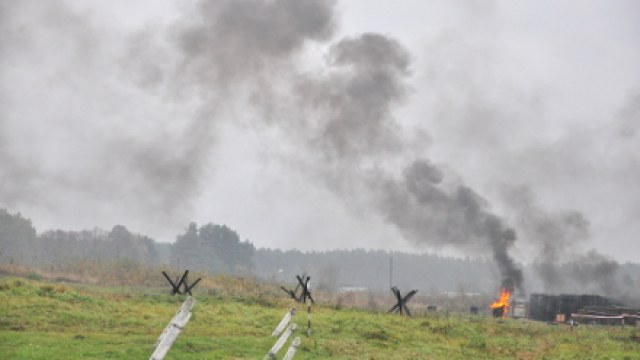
{"x": 17, "y": 237}
{"x": 125, "y": 245}
{"x": 55, "y": 247}
{"x": 215, "y": 248}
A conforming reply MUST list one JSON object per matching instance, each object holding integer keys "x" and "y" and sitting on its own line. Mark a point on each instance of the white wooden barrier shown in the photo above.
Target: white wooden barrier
{"x": 284, "y": 322}
{"x": 295, "y": 344}
{"x": 281, "y": 341}
{"x": 173, "y": 329}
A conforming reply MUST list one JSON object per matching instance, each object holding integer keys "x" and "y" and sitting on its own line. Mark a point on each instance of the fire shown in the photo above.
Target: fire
{"x": 501, "y": 307}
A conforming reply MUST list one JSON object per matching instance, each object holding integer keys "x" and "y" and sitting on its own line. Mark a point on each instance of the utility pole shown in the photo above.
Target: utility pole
{"x": 391, "y": 271}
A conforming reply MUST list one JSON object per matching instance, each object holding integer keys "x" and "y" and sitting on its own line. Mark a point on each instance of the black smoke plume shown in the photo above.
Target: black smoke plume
{"x": 339, "y": 114}
{"x": 248, "y": 55}
{"x": 428, "y": 212}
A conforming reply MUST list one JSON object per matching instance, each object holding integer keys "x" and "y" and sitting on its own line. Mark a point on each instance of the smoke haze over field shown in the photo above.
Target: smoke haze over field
{"x": 467, "y": 127}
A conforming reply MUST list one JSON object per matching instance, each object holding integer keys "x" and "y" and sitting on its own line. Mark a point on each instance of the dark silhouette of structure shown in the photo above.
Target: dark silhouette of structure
{"x": 303, "y": 285}
{"x": 401, "y": 305}
{"x": 184, "y": 282}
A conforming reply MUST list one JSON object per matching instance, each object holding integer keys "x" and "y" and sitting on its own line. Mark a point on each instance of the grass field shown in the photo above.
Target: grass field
{"x": 40, "y": 320}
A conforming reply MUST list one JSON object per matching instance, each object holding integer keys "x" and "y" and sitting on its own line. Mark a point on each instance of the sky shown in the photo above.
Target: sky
{"x": 460, "y": 127}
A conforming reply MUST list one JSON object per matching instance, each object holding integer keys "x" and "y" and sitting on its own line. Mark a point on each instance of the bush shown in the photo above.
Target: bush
{"x": 34, "y": 276}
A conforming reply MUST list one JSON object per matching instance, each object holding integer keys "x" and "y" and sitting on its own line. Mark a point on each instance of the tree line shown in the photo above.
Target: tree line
{"x": 218, "y": 249}
{"x": 212, "y": 248}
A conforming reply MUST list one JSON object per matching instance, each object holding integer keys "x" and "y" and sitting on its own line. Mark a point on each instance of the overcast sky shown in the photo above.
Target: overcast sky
{"x": 153, "y": 114}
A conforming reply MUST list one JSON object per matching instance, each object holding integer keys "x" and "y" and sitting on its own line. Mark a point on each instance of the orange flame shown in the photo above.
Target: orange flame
{"x": 503, "y": 302}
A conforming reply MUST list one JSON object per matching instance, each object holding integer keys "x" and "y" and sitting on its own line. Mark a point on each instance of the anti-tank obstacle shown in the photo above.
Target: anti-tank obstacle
{"x": 305, "y": 294}
{"x": 184, "y": 282}
{"x": 182, "y": 316}
{"x": 401, "y": 304}
{"x": 291, "y": 293}
{"x": 303, "y": 285}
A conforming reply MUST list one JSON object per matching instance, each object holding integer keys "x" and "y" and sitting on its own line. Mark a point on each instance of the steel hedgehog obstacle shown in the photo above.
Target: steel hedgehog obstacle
{"x": 401, "y": 304}
{"x": 184, "y": 281}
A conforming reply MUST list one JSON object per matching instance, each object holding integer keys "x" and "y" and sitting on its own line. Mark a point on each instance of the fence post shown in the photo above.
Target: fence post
{"x": 173, "y": 329}
{"x": 280, "y": 343}
{"x": 284, "y": 322}
{"x": 309, "y": 319}
{"x": 292, "y": 349}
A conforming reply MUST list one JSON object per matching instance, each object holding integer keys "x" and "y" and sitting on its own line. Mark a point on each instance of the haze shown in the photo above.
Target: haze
{"x": 446, "y": 126}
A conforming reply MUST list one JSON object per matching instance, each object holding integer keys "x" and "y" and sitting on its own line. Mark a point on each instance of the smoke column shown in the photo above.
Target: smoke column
{"x": 337, "y": 111}
{"x": 340, "y": 115}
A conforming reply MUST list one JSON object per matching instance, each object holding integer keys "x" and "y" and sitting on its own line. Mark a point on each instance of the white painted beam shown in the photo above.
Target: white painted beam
{"x": 173, "y": 329}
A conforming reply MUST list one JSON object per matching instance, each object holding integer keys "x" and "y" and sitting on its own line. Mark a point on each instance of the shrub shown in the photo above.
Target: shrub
{"x": 34, "y": 276}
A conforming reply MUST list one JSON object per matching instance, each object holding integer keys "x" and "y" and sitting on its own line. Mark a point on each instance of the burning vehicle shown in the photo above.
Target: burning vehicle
{"x": 500, "y": 307}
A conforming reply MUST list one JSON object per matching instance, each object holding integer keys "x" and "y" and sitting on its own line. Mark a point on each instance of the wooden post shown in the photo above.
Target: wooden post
{"x": 309, "y": 319}
{"x": 390, "y": 270}
{"x": 173, "y": 329}
{"x": 280, "y": 343}
{"x": 295, "y": 344}
{"x": 284, "y": 322}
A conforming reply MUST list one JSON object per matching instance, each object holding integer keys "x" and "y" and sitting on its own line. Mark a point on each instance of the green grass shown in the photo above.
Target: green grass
{"x": 50, "y": 321}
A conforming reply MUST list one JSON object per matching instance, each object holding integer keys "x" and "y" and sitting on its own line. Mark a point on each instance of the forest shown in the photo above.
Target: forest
{"x": 218, "y": 249}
